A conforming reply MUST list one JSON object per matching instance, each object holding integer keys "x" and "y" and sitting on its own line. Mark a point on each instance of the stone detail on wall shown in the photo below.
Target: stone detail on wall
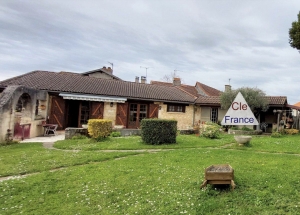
{"x": 71, "y": 132}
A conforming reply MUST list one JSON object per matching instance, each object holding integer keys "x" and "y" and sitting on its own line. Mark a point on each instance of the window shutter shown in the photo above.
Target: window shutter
{"x": 153, "y": 110}
{"x": 97, "y": 109}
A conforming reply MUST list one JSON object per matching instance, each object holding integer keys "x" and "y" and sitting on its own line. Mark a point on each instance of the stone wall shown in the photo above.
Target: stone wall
{"x": 9, "y": 116}
{"x": 71, "y": 132}
{"x": 184, "y": 120}
{"x": 110, "y": 112}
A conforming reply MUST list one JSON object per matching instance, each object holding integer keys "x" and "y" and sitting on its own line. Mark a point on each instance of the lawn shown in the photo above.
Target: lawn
{"x": 166, "y": 182}
{"x": 135, "y": 142}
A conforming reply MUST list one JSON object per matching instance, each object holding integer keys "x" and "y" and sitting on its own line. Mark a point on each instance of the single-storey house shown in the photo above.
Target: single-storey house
{"x": 70, "y": 99}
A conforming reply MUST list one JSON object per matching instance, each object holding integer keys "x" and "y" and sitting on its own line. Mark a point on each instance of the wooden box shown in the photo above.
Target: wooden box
{"x": 219, "y": 174}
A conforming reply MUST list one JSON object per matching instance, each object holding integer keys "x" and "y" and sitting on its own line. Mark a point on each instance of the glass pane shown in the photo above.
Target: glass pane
{"x": 143, "y": 108}
{"x": 133, "y": 107}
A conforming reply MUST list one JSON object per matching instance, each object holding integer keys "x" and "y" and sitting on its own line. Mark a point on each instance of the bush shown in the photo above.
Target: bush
{"x": 115, "y": 134}
{"x": 10, "y": 142}
{"x": 244, "y": 128}
{"x": 158, "y": 131}
{"x": 210, "y": 130}
{"x": 291, "y": 131}
{"x": 276, "y": 134}
{"x": 99, "y": 128}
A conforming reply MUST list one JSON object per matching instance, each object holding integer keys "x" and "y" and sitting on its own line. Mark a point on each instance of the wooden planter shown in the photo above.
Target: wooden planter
{"x": 219, "y": 174}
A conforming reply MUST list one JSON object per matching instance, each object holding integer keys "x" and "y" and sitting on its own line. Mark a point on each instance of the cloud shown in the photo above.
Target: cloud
{"x": 206, "y": 41}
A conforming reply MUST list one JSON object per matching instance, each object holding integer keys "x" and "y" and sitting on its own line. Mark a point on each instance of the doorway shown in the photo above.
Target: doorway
{"x": 137, "y": 112}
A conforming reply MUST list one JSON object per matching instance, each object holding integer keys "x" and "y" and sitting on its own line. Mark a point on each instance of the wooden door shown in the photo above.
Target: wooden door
{"x": 121, "y": 118}
{"x": 137, "y": 112}
{"x": 57, "y": 112}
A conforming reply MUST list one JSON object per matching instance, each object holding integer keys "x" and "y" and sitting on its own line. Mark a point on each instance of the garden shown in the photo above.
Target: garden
{"x": 124, "y": 175}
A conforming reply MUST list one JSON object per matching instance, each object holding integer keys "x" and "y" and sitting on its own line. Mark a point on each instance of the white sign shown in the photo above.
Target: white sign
{"x": 239, "y": 113}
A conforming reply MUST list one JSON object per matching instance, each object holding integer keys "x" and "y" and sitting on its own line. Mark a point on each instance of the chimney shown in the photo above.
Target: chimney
{"x": 176, "y": 82}
{"x": 109, "y": 70}
{"x": 227, "y": 88}
{"x": 143, "y": 79}
{"x": 137, "y": 79}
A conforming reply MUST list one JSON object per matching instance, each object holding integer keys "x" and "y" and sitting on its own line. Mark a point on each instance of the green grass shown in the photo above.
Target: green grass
{"x": 284, "y": 144}
{"x": 26, "y": 158}
{"x": 166, "y": 182}
{"x": 135, "y": 142}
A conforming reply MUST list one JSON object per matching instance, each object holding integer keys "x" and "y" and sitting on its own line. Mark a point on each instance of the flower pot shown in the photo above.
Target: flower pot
{"x": 241, "y": 139}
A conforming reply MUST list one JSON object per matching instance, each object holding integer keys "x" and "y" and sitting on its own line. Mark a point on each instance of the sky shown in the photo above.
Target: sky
{"x": 215, "y": 42}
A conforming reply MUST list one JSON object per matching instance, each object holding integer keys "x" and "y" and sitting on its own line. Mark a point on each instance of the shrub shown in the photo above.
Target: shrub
{"x": 99, "y": 128}
{"x": 244, "y": 128}
{"x": 158, "y": 131}
{"x": 10, "y": 142}
{"x": 276, "y": 134}
{"x": 291, "y": 131}
{"x": 210, "y": 130}
{"x": 115, "y": 134}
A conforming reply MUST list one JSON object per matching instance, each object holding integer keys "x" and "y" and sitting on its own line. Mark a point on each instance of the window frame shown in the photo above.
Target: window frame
{"x": 176, "y": 108}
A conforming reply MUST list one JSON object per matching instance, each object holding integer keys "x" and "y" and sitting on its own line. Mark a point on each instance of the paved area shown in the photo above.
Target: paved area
{"x": 46, "y": 139}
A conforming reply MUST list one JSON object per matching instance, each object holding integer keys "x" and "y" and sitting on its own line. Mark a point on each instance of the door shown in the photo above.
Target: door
{"x": 121, "y": 118}
{"x": 137, "y": 112}
{"x": 57, "y": 113}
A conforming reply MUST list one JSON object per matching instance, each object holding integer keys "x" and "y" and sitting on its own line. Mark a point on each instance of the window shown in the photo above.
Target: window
{"x": 214, "y": 115}
{"x": 176, "y": 108}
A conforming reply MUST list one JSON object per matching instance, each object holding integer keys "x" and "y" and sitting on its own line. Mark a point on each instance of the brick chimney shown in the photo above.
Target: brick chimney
{"x": 176, "y": 82}
{"x": 137, "y": 79}
{"x": 109, "y": 70}
{"x": 143, "y": 79}
{"x": 227, "y": 88}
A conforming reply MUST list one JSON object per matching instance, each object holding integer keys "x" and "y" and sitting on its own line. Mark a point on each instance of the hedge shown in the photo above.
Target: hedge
{"x": 99, "y": 128}
{"x": 158, "y": 131}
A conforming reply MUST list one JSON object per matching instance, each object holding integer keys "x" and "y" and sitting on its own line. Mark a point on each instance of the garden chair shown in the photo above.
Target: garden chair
{"x": 51, "y": 129}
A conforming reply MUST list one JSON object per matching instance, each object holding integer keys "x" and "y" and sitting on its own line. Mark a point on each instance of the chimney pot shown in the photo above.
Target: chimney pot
{"x": 143, "y": 79}
{"x": 137, "y": 79}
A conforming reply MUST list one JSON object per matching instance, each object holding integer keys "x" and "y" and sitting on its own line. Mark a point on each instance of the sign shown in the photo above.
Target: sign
{"x": 239, "y": 113}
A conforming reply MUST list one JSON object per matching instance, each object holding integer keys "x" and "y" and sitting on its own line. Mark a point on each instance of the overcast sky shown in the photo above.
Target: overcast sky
{"x": 210, "y": 41}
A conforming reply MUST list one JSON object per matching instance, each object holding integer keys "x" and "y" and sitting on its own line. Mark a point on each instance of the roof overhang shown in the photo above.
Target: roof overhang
{"x": 86, "y": 97}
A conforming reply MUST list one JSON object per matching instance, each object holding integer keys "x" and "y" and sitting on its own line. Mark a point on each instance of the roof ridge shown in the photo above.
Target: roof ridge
{"x": 186, "y": 92}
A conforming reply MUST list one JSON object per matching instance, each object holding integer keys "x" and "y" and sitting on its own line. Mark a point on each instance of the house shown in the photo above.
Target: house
{"x": 70, "y": 99}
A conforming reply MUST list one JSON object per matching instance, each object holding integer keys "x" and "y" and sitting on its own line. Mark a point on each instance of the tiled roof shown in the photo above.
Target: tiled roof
{"x": 186, "y": 88}
{"x": 208, "y": 100}
{"x": 77, "y": 83}
{"x": 209, "y": 91}
{"x": 277, "y": 100}
{"x": 297, "y": 104}
{"x": 215, "y": 100}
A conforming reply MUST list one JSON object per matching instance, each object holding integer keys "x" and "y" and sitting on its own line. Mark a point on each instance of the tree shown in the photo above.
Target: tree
{"x": 255, "y": 98}
{"x": 170, "y": 77}
{"x": 294, "y": 33}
